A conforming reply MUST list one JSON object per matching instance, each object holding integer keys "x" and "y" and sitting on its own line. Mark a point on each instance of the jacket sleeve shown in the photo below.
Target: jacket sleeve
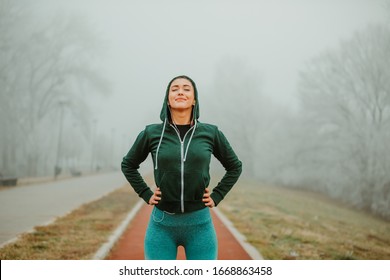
{"x": 233, "y": 166}
{"x": 131, "y": 163}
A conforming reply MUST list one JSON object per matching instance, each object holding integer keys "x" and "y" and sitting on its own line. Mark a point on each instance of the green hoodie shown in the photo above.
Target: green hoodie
{"x": 181, "y": 168}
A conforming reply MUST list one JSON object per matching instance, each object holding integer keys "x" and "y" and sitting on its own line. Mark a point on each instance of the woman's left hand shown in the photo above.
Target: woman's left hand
{"x": 208, "y": 201}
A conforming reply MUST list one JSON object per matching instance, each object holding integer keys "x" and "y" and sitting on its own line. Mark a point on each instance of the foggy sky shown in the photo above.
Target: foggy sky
{"x": 149, "y": 42}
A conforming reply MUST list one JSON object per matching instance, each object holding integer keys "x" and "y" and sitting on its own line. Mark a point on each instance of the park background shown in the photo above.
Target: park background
{"x": 300, "y": 88}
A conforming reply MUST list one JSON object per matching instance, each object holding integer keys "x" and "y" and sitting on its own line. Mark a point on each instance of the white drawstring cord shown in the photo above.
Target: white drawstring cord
{"x": 159, "y": 143}
{"x": 189, "y": 141}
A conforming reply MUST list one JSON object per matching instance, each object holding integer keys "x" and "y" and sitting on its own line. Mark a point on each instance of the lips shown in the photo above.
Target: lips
{"x": 180, "y": 99}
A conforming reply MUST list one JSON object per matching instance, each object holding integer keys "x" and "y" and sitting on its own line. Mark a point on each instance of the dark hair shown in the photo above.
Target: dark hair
{"x": 195, "y": 110}
{"x": 182, "y": 77}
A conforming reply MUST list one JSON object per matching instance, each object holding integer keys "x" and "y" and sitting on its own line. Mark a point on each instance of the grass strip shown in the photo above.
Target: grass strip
{"x": 293, "y": 224}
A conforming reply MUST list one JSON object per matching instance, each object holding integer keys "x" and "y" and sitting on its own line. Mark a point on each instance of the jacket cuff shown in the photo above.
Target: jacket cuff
{"x": 216, "y": 198}
{"x": 147, "y": 195}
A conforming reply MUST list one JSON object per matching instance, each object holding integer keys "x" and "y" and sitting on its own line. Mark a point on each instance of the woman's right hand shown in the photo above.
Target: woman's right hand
{"x": 156, "y": 197}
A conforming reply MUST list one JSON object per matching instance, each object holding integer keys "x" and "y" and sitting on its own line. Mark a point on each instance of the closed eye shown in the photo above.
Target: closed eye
{"x": 174, "y": 88}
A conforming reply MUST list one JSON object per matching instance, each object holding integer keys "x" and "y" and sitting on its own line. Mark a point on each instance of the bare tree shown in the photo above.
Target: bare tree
{"x": 10, "y": 26}
{"x": 346, "y": 96}
{"x": 47, "y": 65}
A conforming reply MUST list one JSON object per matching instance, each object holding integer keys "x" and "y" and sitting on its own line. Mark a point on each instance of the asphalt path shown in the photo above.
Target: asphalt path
{"x": 24, "y": 207}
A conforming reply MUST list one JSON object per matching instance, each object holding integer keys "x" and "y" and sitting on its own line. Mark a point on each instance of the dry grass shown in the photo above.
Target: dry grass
{"x": 291, "y": 224}
{"x": 77, "y": 235}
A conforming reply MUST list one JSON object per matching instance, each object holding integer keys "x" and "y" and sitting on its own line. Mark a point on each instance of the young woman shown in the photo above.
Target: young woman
{"x": 181, "y": 149}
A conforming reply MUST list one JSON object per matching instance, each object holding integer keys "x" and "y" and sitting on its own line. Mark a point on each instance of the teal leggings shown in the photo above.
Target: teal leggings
{"x": 194, "y": 231}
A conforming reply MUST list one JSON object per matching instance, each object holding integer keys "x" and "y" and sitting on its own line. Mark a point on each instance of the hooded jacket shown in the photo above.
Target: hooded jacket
{"x": 181, "y": 167}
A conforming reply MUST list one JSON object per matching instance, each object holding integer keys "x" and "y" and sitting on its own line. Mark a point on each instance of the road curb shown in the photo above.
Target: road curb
{"x": 252, "y": 251}
{"x": 104, "y": 250}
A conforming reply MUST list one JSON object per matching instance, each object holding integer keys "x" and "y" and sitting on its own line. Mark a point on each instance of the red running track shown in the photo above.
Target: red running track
{"x": 130, "y": 246}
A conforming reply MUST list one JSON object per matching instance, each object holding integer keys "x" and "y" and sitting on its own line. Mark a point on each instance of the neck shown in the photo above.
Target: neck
{"x": 181, "y": 117}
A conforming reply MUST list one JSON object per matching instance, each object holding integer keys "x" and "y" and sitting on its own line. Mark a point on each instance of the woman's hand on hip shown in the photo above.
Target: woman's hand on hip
{"x": 208, "y": 201}
{"x": 156, "y": 197}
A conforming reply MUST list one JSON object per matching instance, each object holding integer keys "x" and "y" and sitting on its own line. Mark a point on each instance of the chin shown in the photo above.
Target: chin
{"x": 182, "y": 106}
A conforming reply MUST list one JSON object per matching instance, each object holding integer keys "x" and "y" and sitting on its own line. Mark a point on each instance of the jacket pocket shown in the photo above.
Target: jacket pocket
{"x": 170, "y": 186}
{"x": 194, "y": 185}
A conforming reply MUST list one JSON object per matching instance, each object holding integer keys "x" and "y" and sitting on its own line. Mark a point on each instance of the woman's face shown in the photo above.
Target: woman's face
{"x": 181, "y": 94}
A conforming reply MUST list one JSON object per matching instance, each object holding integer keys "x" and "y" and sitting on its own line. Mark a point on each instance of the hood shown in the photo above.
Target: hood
{"x": 165, "y": 114}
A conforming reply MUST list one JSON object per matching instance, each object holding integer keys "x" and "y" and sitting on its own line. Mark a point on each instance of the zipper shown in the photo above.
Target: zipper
{"x": 182, "y": 175}
{"x": 182, "y": 164}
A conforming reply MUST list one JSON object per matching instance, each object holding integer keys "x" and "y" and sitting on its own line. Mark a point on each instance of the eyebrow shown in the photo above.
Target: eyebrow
{"x": 178, "y": 86}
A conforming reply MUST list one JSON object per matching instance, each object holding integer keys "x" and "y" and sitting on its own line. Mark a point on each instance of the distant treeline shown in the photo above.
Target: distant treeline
{"x": 337, "y": 142}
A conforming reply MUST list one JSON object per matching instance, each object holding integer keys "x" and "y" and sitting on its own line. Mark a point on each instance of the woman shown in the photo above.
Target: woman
{"x": 181, "y": 149}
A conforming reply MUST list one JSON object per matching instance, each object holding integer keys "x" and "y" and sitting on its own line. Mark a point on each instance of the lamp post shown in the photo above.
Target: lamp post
{"x": 57, "y": 168}
{"x": 93, "y": 144}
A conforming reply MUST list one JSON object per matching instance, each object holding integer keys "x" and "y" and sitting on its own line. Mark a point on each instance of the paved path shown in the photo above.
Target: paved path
{"x": 22, "y": 208}
{"x": 230, "y": 246}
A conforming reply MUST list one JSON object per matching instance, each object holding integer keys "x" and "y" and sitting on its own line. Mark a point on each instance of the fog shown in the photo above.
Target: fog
{"x": 80, "y": 79}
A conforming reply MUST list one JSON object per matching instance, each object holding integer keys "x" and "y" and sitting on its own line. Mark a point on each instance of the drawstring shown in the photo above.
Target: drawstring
{"x": 189, "y": 141}
{"x": 159, "y": 143}
{"x": 162, "y": 134}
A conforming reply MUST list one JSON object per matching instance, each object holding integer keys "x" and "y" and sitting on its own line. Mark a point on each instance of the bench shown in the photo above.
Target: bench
{"x": 8, "y": 181}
